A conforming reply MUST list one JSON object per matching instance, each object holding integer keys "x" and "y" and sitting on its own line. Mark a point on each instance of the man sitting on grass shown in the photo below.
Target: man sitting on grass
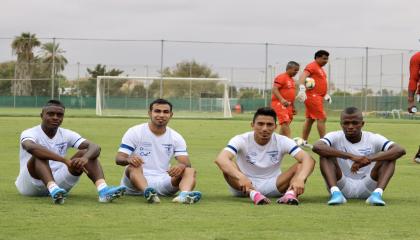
{"x": 44, "y": 169}
{"x": 356, "y": 163}
{"x": 259, "y": 154}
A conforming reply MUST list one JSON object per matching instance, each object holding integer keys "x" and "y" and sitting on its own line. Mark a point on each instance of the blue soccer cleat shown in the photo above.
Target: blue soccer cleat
{"x": 337, "y": 198}
{"x": 151, "y": 195}
{"x": 58, "y": 195}
{"x": 110, "y": 193}
{"x": 188, "y": 197}
{"x": 375, "y": 199}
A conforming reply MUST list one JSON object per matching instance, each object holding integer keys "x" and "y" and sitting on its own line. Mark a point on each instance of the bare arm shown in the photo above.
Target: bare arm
{"x": 308, "y": 164}
{"x": 177, "y": 170}
{"x": 276, "y": 93}
{"x": 42, "y": 153}
{"x": 123, "y": 159}
{"x": 323, "y": 150}
{"x": 92, "y": 149}
{"x": 395, "y": 151}
{"x": 225, "y": 162}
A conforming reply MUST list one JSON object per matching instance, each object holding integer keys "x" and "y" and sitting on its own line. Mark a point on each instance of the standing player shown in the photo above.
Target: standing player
{"x": 283, "y": 97}
{"x": 44, "y": 169}
{"x": 315, "y": 97}
{"x": 355, "y": 163}
{"x": 146, "y": 150}
{"x": 413, "y": 84}
{"x": 259, "y": 154}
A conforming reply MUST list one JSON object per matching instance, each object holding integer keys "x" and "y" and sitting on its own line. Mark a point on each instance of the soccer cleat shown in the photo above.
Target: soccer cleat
{"x": 260, "y": 199}
{"x": 288, "y": 198}
{"x": 151, "y": 195}
{"x": 375, "y": 199}
{"x": 187, "y": 197}
{"x": 337, "y": 198}
{"x": 58, "y": 195}
{"x": 417, "y": 156}
{"x": 110, "y": 193}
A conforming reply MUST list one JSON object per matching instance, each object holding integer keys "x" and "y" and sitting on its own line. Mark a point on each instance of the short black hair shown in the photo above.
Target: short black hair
{"x": 160, "y": 101}
{"x": 321, "y": 53}
{"x": 351, "y": 110}
{"x": 292, "y": 64}
{"x": 54, "y": 102}
{"x": 265, "y": 111}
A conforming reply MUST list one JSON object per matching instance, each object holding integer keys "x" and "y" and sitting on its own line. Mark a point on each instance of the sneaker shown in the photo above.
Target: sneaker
{"x": 58, "y": 195}
{"x": 375, "y": 199}
{"x": 260, "y": 199}
{"x": 110, "y": 193}
{"x": 337, "y": 198}
{"x": 187, "y": 197}
{"x": 417, "y": 156}
{"x": 151, "y": 195}
{"x": 288, "y": 198}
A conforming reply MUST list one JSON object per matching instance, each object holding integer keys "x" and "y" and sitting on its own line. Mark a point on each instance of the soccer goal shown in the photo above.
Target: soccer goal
{"x": 190, "y": 97}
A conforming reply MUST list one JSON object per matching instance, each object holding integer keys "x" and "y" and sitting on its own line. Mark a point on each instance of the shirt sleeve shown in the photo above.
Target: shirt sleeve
{"x": 180, "y": 146}
{"x": 278, "y": 82}
{"x": 381, "y": 143}
{"x": 73, "y": 138}
{"x": 289, "y": 146}
{"x": 310, "y": 69}
{"x": 330, "y": 138}
{"x": 27, "y": 135}
{"x": 128, "y": 142}
{"x": 235, "y": 145}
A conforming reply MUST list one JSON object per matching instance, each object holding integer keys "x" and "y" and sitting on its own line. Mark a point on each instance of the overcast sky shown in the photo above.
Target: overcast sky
{"x": 375, "y": 23}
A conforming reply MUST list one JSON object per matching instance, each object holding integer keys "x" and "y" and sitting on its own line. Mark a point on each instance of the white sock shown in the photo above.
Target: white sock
{"x": 334, "y": 189}
{"x": 101, "y": 186}
{"x": 52, "y": 187}
{"x": 252, "y": 194}
{"x": 379, "y": 190}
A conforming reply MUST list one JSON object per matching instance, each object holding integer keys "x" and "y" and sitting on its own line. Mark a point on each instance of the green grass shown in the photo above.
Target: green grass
{"x": 218, "y": 215}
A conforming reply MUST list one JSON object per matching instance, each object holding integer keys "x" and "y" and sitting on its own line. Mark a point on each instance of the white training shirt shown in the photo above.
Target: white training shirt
{"x": 370, "y": 144}
{"x": 259, "y": 161}
{"x": 156, "y": 151}
{"x": 59, "y": 144}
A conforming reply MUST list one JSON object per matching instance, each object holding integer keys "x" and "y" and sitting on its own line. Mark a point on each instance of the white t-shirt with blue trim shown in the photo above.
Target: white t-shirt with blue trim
{"x": 369, "y": 144}
{"x": 63, "y": 139}
{"x": 258, "y": 161}
{"x": 155, "y": 151}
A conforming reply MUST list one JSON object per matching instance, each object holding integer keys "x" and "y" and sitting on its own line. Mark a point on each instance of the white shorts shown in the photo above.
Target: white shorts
{"x": 161, "y": 183}
{"x": 357, "y": 188}
{"x": 266, "y": 186}
{"x": 29, "y": 186}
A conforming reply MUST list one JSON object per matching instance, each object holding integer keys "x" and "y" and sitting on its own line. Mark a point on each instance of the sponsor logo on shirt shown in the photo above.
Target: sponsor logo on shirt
{"x": 365, "y": 151}
{"x": 61, "y": 148}
{"x": 250, "y": 158}
{"x": 145, "y": 149}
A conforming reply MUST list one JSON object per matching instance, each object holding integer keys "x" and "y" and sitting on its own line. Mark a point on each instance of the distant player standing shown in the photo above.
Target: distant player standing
{"x": 44, "y": 168}
{"x": 413, "y": 84}
{"x": 356, "y": 163}
{"x": 315, "y": 97}
{"x": 146, "y": 151}
{"x": 259, "y": 154}
{"x": 283, "y": 97}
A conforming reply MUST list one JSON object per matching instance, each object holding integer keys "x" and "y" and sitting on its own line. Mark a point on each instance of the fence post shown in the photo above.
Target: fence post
{"x": 161, "y": 68}
{"x": 402, "y": 79}
{"x": 53, "y": 70}
{"x": 266, "y": 75}
{"x": 366, "y": 77}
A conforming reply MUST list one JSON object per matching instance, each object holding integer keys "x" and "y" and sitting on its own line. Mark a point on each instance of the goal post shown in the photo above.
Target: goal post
{"x": 190, "y": 97}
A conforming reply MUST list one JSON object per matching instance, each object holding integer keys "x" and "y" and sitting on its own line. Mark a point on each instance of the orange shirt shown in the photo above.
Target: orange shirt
{"x": 286, "y": 86}
{"x": 318, "y": 74}
{"x": 414, "y": 72}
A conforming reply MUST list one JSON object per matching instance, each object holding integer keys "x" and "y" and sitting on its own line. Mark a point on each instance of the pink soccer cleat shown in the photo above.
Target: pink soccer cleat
{"x": 260, "y": 199}
{"x": 288, "y": 198}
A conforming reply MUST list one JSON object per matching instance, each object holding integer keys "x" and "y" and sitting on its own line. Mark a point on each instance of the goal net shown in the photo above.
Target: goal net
{"x": 190, "y": 97}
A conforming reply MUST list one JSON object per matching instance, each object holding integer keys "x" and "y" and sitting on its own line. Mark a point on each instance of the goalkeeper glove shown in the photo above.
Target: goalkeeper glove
{"x": 302, "y": 93}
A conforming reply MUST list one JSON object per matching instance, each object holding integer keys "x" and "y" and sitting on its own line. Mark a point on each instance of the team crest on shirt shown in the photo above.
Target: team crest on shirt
{"x": 61, "y": 148}
{"x": 250, "y": 158}
{"x": 168, "y": 148}
{"x": 274, "y": 156}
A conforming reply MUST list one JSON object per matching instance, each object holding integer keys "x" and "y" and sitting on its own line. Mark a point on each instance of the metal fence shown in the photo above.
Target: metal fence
{"x": 372, "y": 78}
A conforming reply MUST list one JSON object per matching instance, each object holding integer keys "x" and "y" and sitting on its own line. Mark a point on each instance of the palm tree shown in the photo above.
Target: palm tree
{"x": 22, "y": 46}
{"x": 51, "y": 52}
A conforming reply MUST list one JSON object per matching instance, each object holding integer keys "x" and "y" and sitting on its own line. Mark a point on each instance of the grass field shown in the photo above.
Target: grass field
{"x": 218, "y": 215}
